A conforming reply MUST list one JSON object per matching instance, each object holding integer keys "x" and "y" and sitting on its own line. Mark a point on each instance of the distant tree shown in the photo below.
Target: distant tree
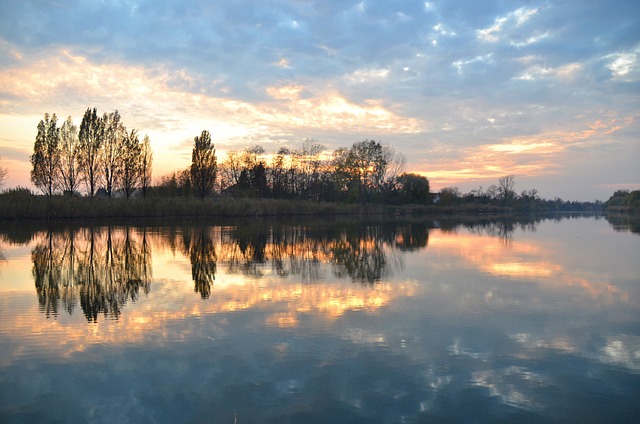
{"x": 3, "y": 175}
{"x": 506, "y": 186}
{"x": 146, "y": 165}
{"x": 362, "y": 168}
{"x": 131, "y": 162}
{"x": 45, "y": 160}
{"x": 203, "y": 165}
{"x": 169, "y": 184}
{"x": 414, "y": 188}
{"x": 278, "y": 173}
{"x": 90, "y": 142}
{"x": 450, "y": 196}
{"x": 230, "y": 170}
{"x": 251, "y": 156}
{"x": 394, "y": 166}
{"x": 308, "y": 168}
{"x": 70, "y": 171}
{"x": 184, "y": 182}
{"x": 113, "y": 136}
{"x": 493, "y": 192}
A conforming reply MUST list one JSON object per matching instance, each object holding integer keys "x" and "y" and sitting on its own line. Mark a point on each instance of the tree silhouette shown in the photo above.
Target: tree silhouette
{"x": 45, "y": 160}
{"x": 203, "y": 165}
{"x": 102, "y": 269}
{"x": 90, "y": 143}
{"x": 69, "y": 157}
{"x": 203, "y": 260}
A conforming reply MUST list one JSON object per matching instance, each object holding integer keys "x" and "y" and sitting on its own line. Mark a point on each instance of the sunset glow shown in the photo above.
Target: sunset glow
{"x": 468, "y": 94}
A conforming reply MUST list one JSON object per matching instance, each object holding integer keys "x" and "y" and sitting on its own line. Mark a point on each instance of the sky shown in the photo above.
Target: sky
{"x": 468, "y": 91}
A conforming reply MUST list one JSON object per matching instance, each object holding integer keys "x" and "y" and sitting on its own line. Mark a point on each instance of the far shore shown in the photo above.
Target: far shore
{"x": 62, "y": 208}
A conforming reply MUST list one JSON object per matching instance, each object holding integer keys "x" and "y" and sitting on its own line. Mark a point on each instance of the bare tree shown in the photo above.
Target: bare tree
{"x": 506, "y": 187}
{"x": 3, "y": 175}
{"x": 230, "y": 170}
{"x": 395, "y": 166}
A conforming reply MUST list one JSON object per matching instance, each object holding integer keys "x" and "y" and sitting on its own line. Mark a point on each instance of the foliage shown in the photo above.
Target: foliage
{"x": 146, "y": 165}
{"x": 131, "y": 162}
{"x": 624, "y": 201}
{"x": 203, "y": 165}
{"x": 413, "y": 188}
{"x": 45, "y": 160}
{"x": 90, "y": 142}
{"x": 112, "y": 151}
{"x": 103, "y": 154}
{"x": 69, "y": 157}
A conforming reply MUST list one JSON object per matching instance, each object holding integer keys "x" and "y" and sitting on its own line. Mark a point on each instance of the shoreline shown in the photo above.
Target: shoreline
{"x": 60, "y": 208}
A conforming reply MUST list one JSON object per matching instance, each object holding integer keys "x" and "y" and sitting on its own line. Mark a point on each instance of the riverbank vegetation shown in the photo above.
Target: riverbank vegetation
{"x": 624, "y": 202}
{"x": 102, "y": 169}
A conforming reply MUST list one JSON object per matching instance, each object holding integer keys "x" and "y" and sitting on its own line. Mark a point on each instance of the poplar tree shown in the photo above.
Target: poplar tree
{"x": 146, "y": 165}
{"x": 130, "y": 163}
{"x": 113, "y": 135}
{"x": 69, "y": 157}
{"x": 45, "y": 160}
{"x": 90, "y": 142}
{"x": 203, "y": 165}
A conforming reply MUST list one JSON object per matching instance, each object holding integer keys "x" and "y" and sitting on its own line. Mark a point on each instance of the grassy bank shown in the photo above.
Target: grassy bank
{"x": 41, "y": 207}
{"x": 20, "y": 205}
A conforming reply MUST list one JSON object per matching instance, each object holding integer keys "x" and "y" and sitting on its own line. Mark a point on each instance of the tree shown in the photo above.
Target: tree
{"x": 3, "y": 175}
{"x": 203, "y": 165}
{"x": 450, "y": 196}
{"x": 506, "y": 187}
{"x": 146, "y": 165}
{"x": 45, "y": 160}
{"x": 279, "y": 173}
{"x": 363, "y": 167}
{"x": 230, "y": 170}
{"x": 413, "y": 188}
{"x": 69, "y": 157}
{"x": 394, "y": 167}
{"x": 113, "y": 135}
{"x": 131, "y": 162}
{"x": 90, "y": 141}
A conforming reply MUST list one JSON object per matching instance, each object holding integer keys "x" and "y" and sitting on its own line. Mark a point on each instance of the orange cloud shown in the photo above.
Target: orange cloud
{"x": 174, "y": 106}
{"x": 523, "y": 156}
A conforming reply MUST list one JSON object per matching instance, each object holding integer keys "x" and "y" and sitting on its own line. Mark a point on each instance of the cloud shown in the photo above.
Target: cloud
{"x": 624, "y": 65}
{"x": 425, "y": 76}
{"x": 546, "y": 153}
{"x": 506, "y": 24}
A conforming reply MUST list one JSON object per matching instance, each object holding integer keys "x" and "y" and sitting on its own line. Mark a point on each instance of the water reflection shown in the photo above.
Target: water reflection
{"x": 625, "y": 223}
{"x": 513, "y": 321}
{"x": 198, "y": 245}
{"x": 102, "y": 268}
{"x": 99, "y": 268}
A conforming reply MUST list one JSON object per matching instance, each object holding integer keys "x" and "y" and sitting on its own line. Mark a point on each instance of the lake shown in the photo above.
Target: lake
{"x": 325, "y": 321}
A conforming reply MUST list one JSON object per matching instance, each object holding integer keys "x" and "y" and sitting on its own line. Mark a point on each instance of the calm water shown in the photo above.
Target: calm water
{"x": 330, "y": 321}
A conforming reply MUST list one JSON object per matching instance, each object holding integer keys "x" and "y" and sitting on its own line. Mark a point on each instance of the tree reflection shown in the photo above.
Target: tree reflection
{"x": 361, "y": 255}
{"x": 624, "y": 223}
{"x": 101, "y": 268}
{"x": 202, "y": 253}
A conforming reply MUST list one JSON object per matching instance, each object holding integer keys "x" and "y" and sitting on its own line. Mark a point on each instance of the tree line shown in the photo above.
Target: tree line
{"x": 101, "y": 154}
{"x": 366, "y": 172}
